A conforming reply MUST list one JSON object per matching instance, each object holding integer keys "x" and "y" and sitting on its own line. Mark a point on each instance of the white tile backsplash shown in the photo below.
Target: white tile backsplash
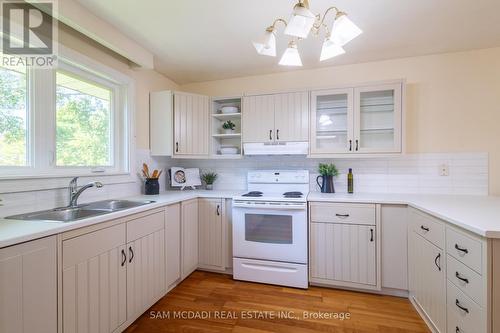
{"x": 411, "y": 173}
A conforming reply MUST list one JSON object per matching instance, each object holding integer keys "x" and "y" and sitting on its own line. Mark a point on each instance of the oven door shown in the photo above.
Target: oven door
{"x": 278, "y": 234}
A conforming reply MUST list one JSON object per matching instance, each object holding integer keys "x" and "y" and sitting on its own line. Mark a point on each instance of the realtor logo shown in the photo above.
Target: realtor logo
{"x": 28, "y": 34}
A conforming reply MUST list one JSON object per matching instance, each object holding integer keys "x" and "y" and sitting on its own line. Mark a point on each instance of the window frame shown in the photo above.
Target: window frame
{"x": 41, "y": 150}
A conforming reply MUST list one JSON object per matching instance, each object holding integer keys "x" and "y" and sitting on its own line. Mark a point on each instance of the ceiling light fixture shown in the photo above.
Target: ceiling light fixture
{"x": 301, "y": 23}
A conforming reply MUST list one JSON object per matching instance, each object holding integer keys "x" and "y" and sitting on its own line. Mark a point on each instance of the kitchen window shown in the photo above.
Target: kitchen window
{"x": 70, "y": 121}
{"x": 14, "y": 117}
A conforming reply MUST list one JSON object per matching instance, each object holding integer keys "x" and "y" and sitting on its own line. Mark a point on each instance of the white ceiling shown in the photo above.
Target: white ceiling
{"x": 200, "y": 40}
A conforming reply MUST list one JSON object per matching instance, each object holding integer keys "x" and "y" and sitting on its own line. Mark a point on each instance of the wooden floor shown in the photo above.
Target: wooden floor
{"x": 239, "y": 304}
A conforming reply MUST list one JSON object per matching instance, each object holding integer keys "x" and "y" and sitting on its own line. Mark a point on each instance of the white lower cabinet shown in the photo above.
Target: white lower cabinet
{"x": 146, "y": 282}
{"x": 94, "y": 281}
{"x": 427, "y": 279}
{"x": 28, "y": 287}
{"x": 344, "y": 254}
{"x": 189, "y": 253}
{"x": 173, "y": 244}
{"x": 212, "y": 234}
{"x": 112, "y": 275}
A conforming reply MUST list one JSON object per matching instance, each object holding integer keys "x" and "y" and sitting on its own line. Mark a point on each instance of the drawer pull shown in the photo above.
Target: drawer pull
{"x": 424, "y": 228}
{"x": 461, "y": 249}
{"x": 457, "y": 275}
{"x": 342, "y": 215}
{"x": 437, "y": 261}
{"x": 457, "y": 303}
{"x": 371, "y": 235}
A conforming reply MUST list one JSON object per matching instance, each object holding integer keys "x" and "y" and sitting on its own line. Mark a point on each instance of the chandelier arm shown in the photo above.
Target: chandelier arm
{"x": 273, "y": 26}
{"x": 337, "y": 12}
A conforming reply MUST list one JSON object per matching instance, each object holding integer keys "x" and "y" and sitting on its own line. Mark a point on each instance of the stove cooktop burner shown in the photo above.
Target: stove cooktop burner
{"x": 254, "y": 194}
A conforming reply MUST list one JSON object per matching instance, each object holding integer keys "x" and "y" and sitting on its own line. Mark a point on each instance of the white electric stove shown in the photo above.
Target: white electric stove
{"x": 270, "y": 228}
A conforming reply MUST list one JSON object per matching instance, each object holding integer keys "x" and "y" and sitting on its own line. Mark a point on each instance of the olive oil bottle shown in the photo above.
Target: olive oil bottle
{"x": 350, "y": 182}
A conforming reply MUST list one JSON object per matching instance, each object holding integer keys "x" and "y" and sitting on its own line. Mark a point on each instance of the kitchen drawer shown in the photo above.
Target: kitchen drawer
{"x": 466, "y": 279}
{"x": 465, "y": 248}
{"x": 472, "y": 318}
{"x": 324, "y": 212}
{"x": 428, "y": 227}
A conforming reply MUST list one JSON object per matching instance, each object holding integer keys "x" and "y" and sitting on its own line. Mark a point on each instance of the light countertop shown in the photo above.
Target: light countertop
{"x": 16, "y": 231}
{"x": 478, "y": 214}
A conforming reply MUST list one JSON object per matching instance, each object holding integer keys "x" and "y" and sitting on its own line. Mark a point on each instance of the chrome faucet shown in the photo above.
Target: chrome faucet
{"x": 74, "y": 193}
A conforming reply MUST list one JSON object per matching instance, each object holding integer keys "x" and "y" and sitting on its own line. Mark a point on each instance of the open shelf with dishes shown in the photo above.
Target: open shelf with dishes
{"x": 226, "y": 127}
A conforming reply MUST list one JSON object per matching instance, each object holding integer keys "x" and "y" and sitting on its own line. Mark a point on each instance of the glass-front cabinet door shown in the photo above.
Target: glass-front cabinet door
{"x": 377, "y": 119}
{"x": 332, "y": 121}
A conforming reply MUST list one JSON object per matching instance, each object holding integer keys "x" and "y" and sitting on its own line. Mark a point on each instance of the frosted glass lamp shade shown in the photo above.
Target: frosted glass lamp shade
{"x": 266, "y": 45}
{"x": 291, "y": 57}
{"x": 344, "y": 30}
{"x": 330, "y": 50}
{"x": 300, "y": 22}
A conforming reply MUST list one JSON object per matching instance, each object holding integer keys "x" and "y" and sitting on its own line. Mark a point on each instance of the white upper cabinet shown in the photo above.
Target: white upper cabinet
{"x": 291, "y": 116}
{"x": 161, "y": 106}
{"x": 258, "y": 118}
{"x": 276, "y": 118}
{"x": 359, "y": 120}
{"x": 191, "y": 125}
{"x": 332, "y": 121}
{"x": 377, "y": 120}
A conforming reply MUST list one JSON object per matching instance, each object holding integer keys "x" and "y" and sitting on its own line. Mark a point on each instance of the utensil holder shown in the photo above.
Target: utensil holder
{"x": 152, "y": 186}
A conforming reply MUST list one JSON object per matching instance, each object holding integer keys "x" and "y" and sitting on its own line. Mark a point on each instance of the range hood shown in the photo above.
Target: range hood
{"x": 279, "y": 148}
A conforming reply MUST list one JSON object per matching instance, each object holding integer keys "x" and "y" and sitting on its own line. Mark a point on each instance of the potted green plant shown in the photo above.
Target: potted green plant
{"x": 228, "y": 126}
{"x": 326, "y": 172}
{"x": 209, "y": 179}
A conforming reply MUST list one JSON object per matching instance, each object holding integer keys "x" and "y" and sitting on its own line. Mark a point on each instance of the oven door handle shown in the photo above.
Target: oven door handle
{"x": 270, "y": 206}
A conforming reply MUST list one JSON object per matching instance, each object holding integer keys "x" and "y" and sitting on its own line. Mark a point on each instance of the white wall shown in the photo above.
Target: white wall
{"x": 453, "y": 100}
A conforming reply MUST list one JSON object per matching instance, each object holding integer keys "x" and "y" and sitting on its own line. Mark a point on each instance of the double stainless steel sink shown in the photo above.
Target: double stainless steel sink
{"x": 71, "y": 214}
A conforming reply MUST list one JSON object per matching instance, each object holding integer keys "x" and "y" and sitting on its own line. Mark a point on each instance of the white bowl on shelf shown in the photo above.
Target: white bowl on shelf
{"x": 229, "y": 109}
{"x": 229, "y": 150}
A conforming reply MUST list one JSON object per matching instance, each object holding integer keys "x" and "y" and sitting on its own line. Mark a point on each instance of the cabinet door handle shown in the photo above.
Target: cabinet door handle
{"x": 177, "y": 147}
{"x": 457, "y": 329}
{"x": 270, "y": 134}
{"x": 124, "y": 258}
{"x": 464, "y": 309}
{"x": 424, "y": 228}
{"x": 277, "y": 134}
{"x": 437, "y": 261}
{"x": 371, "y": 235}
{"x": 218, "y": 210}
{"x": 131, "y": 254}
{"x": 342, "y": 215}
{"x": 457, "y": 275}
{"x": 350, "y": 145}
{"x": 357, "y": 144}
{"x": 461, "y": 249}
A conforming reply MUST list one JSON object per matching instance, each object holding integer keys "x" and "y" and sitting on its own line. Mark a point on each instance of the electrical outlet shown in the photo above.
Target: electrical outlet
{"x": 444, "y": 170}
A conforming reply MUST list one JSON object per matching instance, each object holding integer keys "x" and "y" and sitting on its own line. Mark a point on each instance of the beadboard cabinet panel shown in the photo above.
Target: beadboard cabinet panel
{"x": 344, "y": 253}
{"x": 191, "y": 124}
{"x": 94, "y": 281}
{"x": 189, "y": 228}
{"x": 146, "y": 282}
{"x": 211, "y": 234}
{"x": 291, "y": 117}
{"x": 427, "y": 278}
{"x": 173, "y": 244}
{"x": 258, "y": 118}
{"x": 28, "y": 287}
